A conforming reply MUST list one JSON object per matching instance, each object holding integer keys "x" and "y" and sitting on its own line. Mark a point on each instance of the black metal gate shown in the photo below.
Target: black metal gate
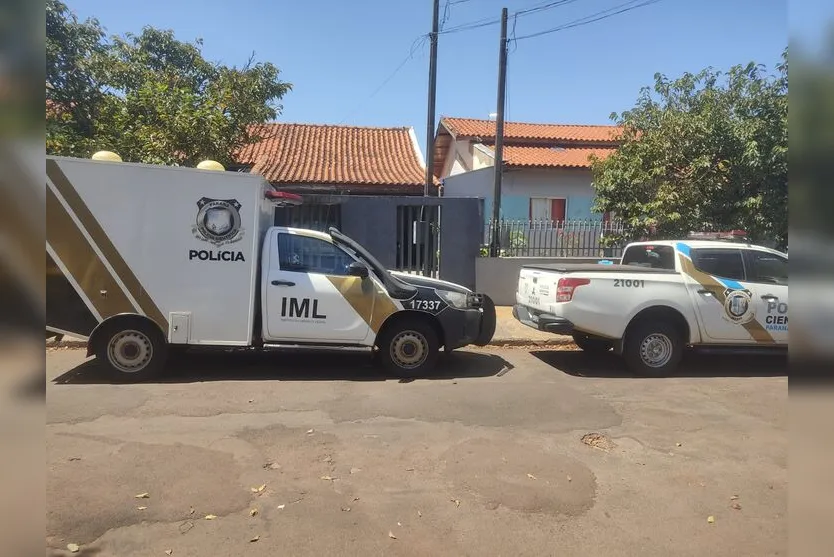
{"x": 314, "y": 216}
{"x": 418, "y": 239}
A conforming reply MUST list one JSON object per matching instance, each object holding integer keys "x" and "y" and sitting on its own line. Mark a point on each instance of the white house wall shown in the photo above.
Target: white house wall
{"x": 459, "y": 159}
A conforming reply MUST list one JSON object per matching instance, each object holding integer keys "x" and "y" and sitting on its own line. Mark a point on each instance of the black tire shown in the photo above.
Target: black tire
{"x": 591, "y": 344}
{"x": 653, "y": 348}
{"x": 132, "y": 351}
{"x": 411, "y": 334}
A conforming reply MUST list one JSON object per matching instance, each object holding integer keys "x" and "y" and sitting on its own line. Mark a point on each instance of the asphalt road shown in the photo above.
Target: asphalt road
{"x": 485, "y": 458}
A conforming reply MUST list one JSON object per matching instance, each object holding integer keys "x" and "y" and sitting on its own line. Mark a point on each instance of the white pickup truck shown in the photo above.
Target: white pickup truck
{"x": 662, "y": 298}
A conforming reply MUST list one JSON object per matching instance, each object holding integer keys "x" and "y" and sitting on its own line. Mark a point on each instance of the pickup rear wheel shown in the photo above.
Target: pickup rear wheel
{"x": 653, "y": 348}
{"x": 408, "y": 348}
{"x": 592, "y": 344}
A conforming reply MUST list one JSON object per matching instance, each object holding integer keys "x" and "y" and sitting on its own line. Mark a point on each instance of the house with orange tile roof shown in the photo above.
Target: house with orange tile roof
{"x": 547, "y": 167}
{"x": 321, "y": 159}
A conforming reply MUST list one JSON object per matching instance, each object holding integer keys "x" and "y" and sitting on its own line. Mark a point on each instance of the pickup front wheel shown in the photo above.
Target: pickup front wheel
{"x": 409, "y": 348}
{"x": 653, "y": 348}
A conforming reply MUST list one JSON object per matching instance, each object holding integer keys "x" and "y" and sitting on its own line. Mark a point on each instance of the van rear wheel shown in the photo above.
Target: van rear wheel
{"x": 409, "y": 349}
{"x": 132, "y": 351}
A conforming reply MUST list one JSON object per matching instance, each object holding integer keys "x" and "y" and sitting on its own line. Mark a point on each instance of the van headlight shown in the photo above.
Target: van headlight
{"x": 455, "y": 299}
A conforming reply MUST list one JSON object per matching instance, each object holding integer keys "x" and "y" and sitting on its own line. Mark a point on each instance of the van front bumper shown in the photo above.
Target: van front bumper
{"x": 542, "y": 321}
{"x": 462, "y": 327}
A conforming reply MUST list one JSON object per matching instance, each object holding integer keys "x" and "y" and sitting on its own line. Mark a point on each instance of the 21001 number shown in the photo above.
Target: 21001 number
{"x": 628, "y": 283}
{"x": 428, "y": 305}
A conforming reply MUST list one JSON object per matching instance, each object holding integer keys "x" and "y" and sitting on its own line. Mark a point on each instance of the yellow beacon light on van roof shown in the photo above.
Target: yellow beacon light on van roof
{"x": 109, "y": 156}
{"x": 210, "y": 165}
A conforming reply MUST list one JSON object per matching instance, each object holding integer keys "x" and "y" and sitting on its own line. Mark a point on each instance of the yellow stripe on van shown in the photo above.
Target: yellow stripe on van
{"x": 368, "y": 300}
{"x": 103, "y": 242}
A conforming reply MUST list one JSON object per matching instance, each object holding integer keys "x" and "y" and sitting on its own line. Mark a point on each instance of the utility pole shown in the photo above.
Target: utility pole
{"x": 499, "y": 136}
{"x": 432, "y": 96}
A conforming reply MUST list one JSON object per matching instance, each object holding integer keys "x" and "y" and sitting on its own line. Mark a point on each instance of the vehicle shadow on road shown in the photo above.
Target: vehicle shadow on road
{"x": 201, "y": 366}
{"x": 582, "y": 364}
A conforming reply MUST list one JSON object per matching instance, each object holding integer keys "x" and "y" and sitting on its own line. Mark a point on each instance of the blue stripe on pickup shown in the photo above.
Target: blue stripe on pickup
{"x": 683, "y": 248}
{"x": 729, "y": 283}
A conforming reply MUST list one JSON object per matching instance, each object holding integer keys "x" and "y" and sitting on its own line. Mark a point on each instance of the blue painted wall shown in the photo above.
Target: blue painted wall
{"x": 512, "y": 207}
{"x": 520, "y": 186}
{"x": 518, "y": 207}
{"x": 579, "y": 208}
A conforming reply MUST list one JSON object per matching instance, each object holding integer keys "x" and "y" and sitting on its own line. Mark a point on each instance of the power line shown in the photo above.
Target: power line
{"x": 418, "y": 43}
{"x": 446, "y": 14}
{"x": 604, "y": 14}
{"x": 545, "y": 6}
{"x": 487, "y": 22}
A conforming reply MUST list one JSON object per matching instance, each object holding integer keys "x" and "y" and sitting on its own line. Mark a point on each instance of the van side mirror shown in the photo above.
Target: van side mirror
{"x": 357, "y": 269}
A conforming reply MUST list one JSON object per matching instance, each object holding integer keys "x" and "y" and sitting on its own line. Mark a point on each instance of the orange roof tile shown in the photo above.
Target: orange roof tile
{"x": 545, "y": 157}
{"x": 329, "y": 154}
{"x": 485, "y": 129}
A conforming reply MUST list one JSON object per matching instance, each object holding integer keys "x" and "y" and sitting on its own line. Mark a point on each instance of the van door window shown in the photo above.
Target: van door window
{"x": 304, "y": 254}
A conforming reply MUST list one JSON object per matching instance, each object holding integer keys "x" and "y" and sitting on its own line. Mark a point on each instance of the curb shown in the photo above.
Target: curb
{"x": 530, "y": 342}
{"x": 67, "y": 344}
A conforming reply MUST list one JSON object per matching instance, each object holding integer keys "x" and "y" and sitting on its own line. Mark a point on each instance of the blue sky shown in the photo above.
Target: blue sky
{"x": 338, "y": 53}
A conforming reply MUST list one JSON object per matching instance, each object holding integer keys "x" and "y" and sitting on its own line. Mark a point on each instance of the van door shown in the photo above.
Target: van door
{"x": 717, "y": 284}
{"x": 309, "y": 295}
{"x": 767, "y": 279}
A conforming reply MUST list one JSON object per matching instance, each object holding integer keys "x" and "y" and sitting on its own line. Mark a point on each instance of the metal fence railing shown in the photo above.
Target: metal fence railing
{"x": 547, "y": 238}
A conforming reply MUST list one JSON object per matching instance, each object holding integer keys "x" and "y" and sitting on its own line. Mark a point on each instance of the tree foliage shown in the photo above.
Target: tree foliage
{"x": 72, "y": 94}
{"x": 149, "y": 97}
{"x": 703, "y": 152}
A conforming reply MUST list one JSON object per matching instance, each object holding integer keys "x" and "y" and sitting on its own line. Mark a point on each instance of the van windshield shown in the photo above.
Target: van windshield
{"x": 645, "y": 255}
{"x": 395, "y": 286}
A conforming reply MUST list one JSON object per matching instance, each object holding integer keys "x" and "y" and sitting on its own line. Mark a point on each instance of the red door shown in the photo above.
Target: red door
{"x": 557, "y": 209}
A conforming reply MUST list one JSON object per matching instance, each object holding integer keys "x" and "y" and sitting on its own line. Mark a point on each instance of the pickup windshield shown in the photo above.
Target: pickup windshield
{"x": 656, "y": 257}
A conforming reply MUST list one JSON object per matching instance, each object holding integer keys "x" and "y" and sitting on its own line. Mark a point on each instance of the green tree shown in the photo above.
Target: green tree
{"x": 72, "y": 92}
{"x": 155, "y": 99}
{"x": 705, "y": 152}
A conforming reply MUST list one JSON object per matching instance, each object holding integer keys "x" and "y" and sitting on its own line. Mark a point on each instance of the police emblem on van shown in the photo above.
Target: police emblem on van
{"x": 218, "y": 221}
{"x": 738, "y": 306}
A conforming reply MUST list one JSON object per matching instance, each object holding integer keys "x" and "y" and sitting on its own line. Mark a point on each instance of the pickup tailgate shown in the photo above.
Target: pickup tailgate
{"x": 539, "y": 284}
{"x": 537, "y": 288}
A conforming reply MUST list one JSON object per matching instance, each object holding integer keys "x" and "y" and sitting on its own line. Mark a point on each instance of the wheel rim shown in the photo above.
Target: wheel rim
{"x": 656, "y": 350}
{"x": 130, "y": 351}
{"x": 409, "y": 349}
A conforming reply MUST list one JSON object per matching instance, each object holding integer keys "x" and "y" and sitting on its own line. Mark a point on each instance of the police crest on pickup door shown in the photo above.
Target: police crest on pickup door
{"x": 218, "y": 221}
{"x": 738, "y": 306}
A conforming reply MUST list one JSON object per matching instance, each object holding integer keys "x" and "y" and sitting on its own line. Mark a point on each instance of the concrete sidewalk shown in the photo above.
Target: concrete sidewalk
{"x": 509, "y": 331}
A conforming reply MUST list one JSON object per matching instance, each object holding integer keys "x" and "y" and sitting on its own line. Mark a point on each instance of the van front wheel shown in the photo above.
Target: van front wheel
{"x": 409, "y": 349}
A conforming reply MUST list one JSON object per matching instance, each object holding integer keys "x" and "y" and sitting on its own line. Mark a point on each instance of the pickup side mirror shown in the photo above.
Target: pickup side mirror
{"x": 357, "y": 269}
